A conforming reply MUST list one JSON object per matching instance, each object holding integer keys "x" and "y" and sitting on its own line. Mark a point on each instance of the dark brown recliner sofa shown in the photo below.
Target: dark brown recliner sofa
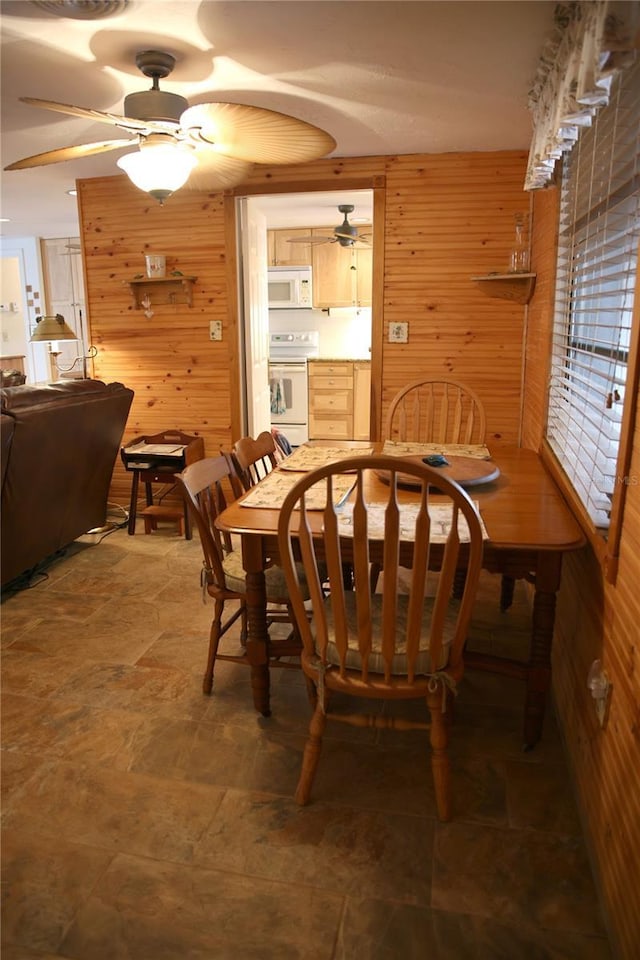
{"x": 59, "y": 445}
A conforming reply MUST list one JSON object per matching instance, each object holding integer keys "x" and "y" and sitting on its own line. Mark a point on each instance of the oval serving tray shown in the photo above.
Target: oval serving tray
{"x": 467, "y": 471}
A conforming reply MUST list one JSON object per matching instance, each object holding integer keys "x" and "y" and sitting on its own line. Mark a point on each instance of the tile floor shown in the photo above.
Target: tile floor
{"x": 143, "y": 821}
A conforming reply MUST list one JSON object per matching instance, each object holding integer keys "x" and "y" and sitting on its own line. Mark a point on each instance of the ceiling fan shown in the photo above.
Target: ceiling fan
{"x": 212, "y": 145}
{"x": 345, "y": 234}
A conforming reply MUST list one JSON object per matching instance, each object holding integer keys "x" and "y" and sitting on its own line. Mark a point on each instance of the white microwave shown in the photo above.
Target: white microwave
{"x": 289, "y": 287}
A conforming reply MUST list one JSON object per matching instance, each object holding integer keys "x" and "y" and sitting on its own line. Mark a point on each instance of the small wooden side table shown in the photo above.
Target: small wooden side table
{"x": 153, "y": 468}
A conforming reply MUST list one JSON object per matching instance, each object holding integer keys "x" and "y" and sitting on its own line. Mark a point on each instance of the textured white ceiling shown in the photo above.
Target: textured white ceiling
{"x": 381, "y": 77}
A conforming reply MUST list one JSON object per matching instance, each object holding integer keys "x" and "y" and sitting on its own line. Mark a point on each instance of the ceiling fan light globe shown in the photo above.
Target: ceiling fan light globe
{"x": 159, "y": 169}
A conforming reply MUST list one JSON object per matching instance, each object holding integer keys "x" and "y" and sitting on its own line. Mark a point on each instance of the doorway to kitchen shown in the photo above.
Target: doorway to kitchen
{"x": 303, "y": 231}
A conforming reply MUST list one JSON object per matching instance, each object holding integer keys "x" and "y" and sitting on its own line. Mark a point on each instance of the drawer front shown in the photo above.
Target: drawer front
{"x": 330, "y": 369}
{"x": 323, "y": 429}
{"x": 330, "y": 383}
{"x": 329, "y": 402}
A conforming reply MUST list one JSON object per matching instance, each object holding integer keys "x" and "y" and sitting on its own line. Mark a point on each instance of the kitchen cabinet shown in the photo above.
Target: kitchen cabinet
{"x": 337, "y": 402}
{"x": 341, "y": 275}
{"x": 361, "y": 399}
{"x": 281, "y": 253}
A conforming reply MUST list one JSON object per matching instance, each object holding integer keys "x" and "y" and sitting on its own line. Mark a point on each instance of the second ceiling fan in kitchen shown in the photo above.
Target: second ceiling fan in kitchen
{"x": 345, "y": 233}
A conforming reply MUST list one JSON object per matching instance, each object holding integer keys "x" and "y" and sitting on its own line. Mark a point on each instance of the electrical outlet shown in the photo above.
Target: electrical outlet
{"x": 215, "y": 330}
{"x": 398, "y": 333}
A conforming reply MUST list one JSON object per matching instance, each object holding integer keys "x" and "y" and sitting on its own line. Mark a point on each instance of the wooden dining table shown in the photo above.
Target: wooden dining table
{"x": 529, "y": 526}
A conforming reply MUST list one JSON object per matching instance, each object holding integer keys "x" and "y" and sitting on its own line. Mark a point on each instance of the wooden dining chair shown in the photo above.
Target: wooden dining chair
{"x": 255, "y": 458}
{"x": 391, "y": 645}
{"x": 207, "y": 486}
{"x": 430, "y": 410}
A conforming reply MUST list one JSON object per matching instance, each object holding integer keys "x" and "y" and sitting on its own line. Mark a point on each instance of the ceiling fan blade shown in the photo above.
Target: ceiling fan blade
{"x": 128, "y": 123}
{"x": 360, "y": 238}
{"x": 215, "y": 171}
{"x": 70, "y": 153}
{"x": 313, "y": 241}
{"x": 255, "y": 134}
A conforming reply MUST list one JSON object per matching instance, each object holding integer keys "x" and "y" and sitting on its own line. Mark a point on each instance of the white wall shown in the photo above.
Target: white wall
{"x": 25, "y": 252}
{"x": 13, "y": 337}
{"x": 345, "y": 332}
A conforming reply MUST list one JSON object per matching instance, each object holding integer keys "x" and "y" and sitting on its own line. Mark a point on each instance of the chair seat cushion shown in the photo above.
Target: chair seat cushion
{"x": 399, "y": 663}
{"x": 274, "y": 578}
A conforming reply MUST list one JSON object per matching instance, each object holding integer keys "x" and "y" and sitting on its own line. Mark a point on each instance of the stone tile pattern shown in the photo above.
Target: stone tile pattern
{"x": 143, "y": 820}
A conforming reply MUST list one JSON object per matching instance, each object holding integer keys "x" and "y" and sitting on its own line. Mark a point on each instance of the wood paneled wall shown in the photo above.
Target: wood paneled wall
{"x": 594, "y": 621}
{"x": 446, "y": 218}
{"x": 449, "y": 218}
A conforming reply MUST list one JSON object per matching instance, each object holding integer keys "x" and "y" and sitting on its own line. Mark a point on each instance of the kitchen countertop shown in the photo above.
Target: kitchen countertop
{"x": 340, "y": 360}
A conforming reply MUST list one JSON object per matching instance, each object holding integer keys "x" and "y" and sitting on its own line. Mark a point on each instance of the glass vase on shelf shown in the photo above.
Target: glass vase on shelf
{"x": 519, "y": 257}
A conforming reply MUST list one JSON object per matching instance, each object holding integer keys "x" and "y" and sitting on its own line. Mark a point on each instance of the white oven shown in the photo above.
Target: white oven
{"x": 288, "y": 382}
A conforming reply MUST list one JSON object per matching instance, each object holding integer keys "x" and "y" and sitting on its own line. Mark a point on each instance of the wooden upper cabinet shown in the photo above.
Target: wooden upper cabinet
{"x": 282, "y": 253}
{"x": 333, "y": 278}
{"x": 364, "y": 275}
{"x": 342, "y": 276}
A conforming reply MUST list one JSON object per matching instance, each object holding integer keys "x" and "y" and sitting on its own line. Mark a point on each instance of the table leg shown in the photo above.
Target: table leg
{"x": 257, "y": 636}
{"x": 547, "y": 581}
{"x": 135, "y": 479}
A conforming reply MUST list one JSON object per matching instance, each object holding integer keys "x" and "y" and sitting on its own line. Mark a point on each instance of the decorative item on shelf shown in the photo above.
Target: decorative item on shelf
{"x": 519, "y": 257}
{"x": 156, "y": 264}
{"x": 146, "y": 303}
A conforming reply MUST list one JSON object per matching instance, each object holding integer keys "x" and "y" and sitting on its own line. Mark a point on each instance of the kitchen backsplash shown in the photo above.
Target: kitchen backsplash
{"x": 345, "y": 332}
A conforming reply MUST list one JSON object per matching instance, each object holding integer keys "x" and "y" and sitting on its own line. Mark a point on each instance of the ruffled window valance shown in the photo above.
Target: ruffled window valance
{"x": 593, "y": 40}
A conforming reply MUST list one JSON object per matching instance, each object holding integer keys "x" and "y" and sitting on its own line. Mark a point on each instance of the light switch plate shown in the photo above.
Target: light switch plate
{"x": 398, "y": 333}
{"x": 215, "y": 329}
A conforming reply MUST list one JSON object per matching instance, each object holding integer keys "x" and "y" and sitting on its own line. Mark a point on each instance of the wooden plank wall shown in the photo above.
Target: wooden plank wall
{"x": 594, "y": 620}
{"x": 447, "y": 218}
{"x": 180, "y": 377}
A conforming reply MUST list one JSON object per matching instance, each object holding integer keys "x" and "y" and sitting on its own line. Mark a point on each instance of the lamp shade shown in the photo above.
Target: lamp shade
{"x": 52, "y": 328}
{"x": 159, "y": 168}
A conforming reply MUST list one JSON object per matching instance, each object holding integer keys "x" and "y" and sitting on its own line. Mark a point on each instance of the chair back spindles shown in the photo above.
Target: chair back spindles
{"x": 408, "y": 641}
{"x": 255, "y": 458}
{"x": 394, "y": 632}
{"x": 436, "y": 411}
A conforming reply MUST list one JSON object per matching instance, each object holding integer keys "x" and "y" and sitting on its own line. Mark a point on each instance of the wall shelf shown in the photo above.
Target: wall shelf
{"x": 162, "y": 290}
{"x": 508, "y": 286}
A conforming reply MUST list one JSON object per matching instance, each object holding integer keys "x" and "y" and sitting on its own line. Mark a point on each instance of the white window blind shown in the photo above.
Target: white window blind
{"x": 598, "y": 249}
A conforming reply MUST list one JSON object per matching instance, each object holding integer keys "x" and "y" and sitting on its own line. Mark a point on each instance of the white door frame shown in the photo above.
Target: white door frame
{"x": 26, "y": 250}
